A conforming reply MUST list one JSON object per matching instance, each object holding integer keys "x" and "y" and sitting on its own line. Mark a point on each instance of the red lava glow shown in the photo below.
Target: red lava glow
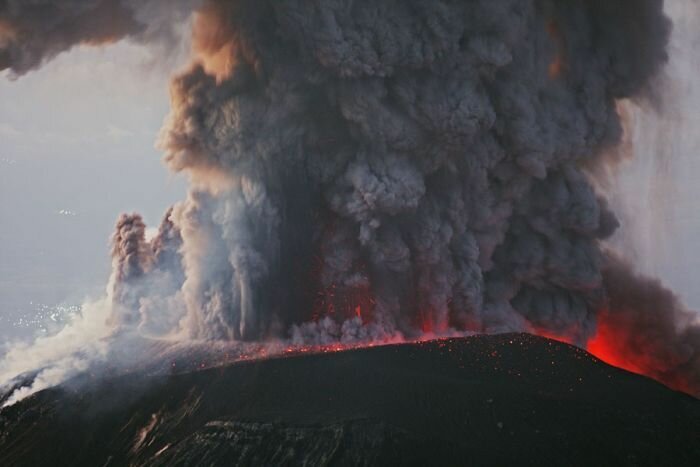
{"x": 606, "y": 345}
{"x": 432, "y": 323}
{"x": 616, "y": 343}
{"x": 602, "y": 345}
{"x": 344, "y": 303}
{"x": 426, "y": 324}
{"x": 322, "y": 349}
{"x": 565, "y": 337}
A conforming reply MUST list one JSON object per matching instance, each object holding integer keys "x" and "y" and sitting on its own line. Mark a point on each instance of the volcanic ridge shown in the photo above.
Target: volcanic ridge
{"x": 486, "y": 400}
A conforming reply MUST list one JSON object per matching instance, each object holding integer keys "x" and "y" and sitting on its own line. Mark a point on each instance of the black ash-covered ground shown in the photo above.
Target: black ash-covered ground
{"x": 511, "y": 399}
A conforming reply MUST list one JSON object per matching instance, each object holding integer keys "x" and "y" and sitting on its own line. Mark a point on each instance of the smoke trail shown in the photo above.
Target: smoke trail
{"x": 376, "y": 169}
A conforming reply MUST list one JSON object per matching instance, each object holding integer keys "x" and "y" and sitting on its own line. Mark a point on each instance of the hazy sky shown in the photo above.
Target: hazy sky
{"x": 660, "y": 188}
{"x": 77, "y": 148}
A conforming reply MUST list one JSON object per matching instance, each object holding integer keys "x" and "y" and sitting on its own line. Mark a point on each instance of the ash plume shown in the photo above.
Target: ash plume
{"x": 34, "y": 32}
{"x": 145, "y": 275}
{"x": 373, "y": 170}
{"x": 423, "y": 159}
{"x": 646, "y": 329}
{"x": 131, "y": 257}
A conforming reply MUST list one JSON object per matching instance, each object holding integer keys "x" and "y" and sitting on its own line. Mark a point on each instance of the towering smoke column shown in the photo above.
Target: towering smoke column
{"x": 413, "y": 165}
{"x": 416, "y": 167}
{"x": 367, "y": 169}
{"x": 146, "y": 275}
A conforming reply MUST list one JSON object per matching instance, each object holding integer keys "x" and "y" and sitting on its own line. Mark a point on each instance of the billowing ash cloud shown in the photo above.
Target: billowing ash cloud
{"x": 371, "y": 169}
{"x": 33, "y": 32}
{"x": 131, "y": 257}
{"x": 413, "y": 164}
{"x": 646, "y": 329}
{"x": 146, "y": 275}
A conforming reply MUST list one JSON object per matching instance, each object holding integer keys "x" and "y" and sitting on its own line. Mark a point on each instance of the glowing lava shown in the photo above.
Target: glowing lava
{"x": 616, "y": 343}
{"x": 608, "y": 346}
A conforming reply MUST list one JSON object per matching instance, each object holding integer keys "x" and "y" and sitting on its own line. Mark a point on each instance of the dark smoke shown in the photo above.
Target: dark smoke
{"x": 366, "y": 169}
{"x": 131, "y": 258}
{"x": 425, "y": 154}
{"x": 646, "y": 329}
{"x": 33, "y": 32}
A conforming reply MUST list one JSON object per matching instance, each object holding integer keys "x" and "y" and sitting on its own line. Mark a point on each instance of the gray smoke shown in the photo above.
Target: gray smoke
{"x": 33, "y": 32}
{"x": 370, "y": 169}
{"x": 645, "y": 328}
{"x": 426, "y": 155}
{"x": 131, "y": 257}
{"x": 146, "y": 275}
{"x": 424, "y": 162}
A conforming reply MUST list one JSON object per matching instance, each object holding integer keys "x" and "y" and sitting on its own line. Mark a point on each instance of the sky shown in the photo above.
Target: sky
{"x": 657, "y": 191}
{"x": 77, "y": 149}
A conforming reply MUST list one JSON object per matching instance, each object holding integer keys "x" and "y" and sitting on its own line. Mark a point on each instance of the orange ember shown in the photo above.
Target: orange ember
{"x": 344, "y": 303}
{"x": 555, "y": 68}
{"x": 557, "y": 65}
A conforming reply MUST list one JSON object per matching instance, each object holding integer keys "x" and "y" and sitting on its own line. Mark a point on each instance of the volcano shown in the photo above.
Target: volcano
{"x": 501, "y": 400}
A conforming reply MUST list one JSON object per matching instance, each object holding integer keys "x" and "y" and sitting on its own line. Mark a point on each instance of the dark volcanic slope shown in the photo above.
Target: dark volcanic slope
{"x": 508, "y": 399}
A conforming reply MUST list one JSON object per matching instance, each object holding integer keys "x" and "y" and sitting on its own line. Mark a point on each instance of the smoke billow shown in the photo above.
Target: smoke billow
{"x": 372, "y": 169}
{"x": 644, "y": 328}
{"x": 424, "y": 155}
{"x": 33, "y": 32}
{"x": 146, "y": 275}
